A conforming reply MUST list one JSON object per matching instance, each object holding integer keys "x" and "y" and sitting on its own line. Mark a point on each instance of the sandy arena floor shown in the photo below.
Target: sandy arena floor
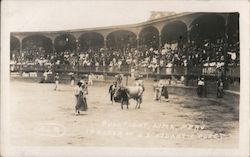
{"x": 41, "y": 116}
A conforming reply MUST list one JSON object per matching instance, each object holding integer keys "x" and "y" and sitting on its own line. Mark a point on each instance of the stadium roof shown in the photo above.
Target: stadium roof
{"x": 114, "y": 26}
{"x": 30, "y": 16}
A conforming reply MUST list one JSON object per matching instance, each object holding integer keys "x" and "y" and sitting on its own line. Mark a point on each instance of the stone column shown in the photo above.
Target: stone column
{"x": 159, "y": 51}
{"x": 225, "y": 50}
{"x": 78, "y": 55}
{"x": 53, "y": 46}
{"x": 160, "y": 44}
{"x": 21, "y": 46}
{"x": 188, "y": 36}
{"x": 20, "y": 52}
{"x": 105, "y": 42}
{"x": 137, "y": 43}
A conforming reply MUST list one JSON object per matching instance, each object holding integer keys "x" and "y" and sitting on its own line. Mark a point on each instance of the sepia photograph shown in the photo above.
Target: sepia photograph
{"x": 124, "y": 78}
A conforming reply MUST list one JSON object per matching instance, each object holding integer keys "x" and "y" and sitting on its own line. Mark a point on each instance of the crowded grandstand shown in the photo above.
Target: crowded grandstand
{"x": 209, "y": 47}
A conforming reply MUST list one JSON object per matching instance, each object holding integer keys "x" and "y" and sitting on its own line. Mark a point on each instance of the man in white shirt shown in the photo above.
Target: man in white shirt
{"x": 45, "y": 74}
{"x": 90, "y": 79}
{"x": 158, "y": 85}
{"x": 200, "y": 88}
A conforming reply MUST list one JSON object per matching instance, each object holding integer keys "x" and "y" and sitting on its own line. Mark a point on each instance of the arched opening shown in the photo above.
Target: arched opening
{"x": 90, "y": 40}
{"x": 174, "y": 33}
{"x": 233, "y": 37}
{"x": 121, "y": 39}
{"x": 65, "y": 42}
{"x": 208, "y": 38}
{"x": 149, "y": 37}
{"x": 208, "y": 27}
{"x": 65, "y": 48}
{"x": 233, "y": 28}
{"x": 14, "y": 47}
{"x": 36, "y": 46}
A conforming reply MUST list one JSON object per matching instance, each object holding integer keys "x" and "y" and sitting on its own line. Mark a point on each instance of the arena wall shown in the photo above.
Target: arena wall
{"x": 231, "y": 97}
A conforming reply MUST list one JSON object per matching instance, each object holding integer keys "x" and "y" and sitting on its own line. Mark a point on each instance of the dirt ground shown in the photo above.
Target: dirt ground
{"x": 41, "y": 116}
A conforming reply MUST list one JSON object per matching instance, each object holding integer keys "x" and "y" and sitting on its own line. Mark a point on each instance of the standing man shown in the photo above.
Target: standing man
{"x": 140, "y": 82}
{"x": 81, "y": 102}
{"x": 219, "y": 89}
{"x": 112, "y": 89}
{"x": 56, "y": 81}
{"x": 78, "y": 89}
{"x": 45, "y": 74}
{"x": 119, "y": 80}
{"x": 72, "y": 79}
{"x": 90, "y": 79}
{"x": 85, "y": 92}
{"x": 158, "y": 85}
{"x": 200, "y": 87}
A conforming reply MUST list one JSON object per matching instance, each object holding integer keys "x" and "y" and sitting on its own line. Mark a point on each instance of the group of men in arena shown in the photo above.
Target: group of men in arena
{"x": 160, "y": 90}
{"x": 202, "y": 87}
{"x": 159, "y": 87}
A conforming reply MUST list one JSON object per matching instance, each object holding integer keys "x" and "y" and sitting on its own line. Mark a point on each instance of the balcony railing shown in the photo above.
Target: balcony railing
{"x": 233, "y": 71}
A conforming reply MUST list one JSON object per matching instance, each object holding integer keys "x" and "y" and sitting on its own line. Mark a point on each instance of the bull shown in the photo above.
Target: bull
{"x": 123, "y": 94}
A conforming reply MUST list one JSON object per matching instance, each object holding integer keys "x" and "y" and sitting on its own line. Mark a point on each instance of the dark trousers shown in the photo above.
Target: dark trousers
{"x": 200, "y": 91}
{"x": 112, "y": 96}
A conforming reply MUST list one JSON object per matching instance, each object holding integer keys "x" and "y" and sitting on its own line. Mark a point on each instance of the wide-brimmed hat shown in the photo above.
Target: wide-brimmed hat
{"x": 79, "y": 83}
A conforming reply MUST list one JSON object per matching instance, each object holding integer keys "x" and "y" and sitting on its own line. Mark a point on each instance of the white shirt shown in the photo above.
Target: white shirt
{"x": 45, "y": 74}
{"x": 233, "y": 55}
{"x": 201, "y": 83}
{"x": 77, "y": 90}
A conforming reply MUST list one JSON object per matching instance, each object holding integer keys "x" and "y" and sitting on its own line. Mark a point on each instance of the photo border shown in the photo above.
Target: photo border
{"x": 204, "y": 6}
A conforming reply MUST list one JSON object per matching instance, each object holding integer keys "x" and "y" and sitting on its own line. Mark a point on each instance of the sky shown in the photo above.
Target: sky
{"x": 55, "y": 15}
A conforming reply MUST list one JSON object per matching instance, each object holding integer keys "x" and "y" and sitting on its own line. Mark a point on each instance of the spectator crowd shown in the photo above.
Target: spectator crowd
{"x": 210, "y": 53}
